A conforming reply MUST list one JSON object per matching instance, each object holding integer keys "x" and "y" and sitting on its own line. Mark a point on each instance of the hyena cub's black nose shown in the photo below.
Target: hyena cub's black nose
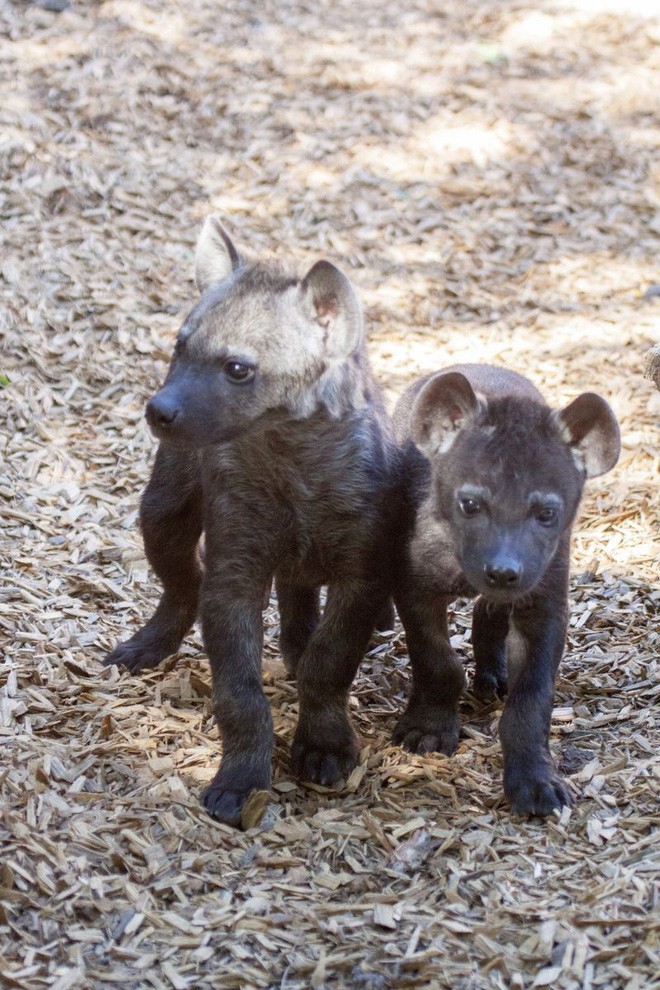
{"x": 502, "y": 576}
{"x": 161, "y": 411}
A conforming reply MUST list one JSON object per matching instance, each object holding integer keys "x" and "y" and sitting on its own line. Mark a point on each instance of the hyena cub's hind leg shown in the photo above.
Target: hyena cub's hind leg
{"x": 386, "y": 617}
{"x": 171, "y": 521}
{"x": 325, "y": 747}
{"x": 299, "y": 617}
{"x": 490, "y": 628}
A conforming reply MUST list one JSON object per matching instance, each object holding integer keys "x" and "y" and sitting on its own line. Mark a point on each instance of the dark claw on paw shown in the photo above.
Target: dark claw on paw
{"x": 538, "y": 797}
{"x": 227, "y": 794}
{"x": 139, "y": 654}
{"x": 489, "y": 688}
{"x": 429, "y": 736}
{"x": 223, "y": 804}
{"x": 319, "y": 766}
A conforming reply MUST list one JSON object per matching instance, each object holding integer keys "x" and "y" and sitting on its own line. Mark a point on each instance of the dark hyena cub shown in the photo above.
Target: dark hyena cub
{"x": 275, "y": 443}
{"x": 495, "y": 481}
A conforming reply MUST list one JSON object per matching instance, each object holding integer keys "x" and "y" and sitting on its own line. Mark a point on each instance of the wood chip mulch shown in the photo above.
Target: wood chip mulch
{"x": 488, "y": 175}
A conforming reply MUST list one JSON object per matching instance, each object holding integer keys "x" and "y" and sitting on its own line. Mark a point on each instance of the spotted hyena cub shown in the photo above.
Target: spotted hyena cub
{"x": 495, "y": 479}
{"x": 275, "y": 444}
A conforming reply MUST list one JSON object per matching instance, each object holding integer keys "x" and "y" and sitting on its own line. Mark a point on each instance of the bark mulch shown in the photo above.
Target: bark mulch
{"x": 487, "y": 173}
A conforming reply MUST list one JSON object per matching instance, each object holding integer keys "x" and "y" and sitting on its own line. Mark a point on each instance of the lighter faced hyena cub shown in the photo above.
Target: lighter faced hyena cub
{"x": 275, "y": 443}
{"x": 496, "y": 478}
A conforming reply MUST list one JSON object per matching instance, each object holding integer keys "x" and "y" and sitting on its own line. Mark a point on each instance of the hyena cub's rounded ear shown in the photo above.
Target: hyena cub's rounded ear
{"x": 328, "y": 299}
{"x": 590, "y": 429}
{"x": 215, "y": 254}
{"x": 444, "y": 405}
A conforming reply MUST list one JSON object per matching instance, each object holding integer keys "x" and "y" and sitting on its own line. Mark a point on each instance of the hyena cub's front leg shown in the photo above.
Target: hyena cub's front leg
{"x": 232, "y": 626}
{"x": 430, "y": 722}
{"x": 490, "y": 628}
{"x": 171, "y": 521}
{"x": 534, "y": 648}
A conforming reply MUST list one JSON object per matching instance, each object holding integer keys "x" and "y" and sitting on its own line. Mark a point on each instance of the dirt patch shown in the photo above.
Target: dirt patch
{"x": 488, "y": 175}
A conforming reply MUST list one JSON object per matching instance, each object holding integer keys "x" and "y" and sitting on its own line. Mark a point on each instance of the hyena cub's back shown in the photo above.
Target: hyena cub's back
{"x": 274, "y": 442}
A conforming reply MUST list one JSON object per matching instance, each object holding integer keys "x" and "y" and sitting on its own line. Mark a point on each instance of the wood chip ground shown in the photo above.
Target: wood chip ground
{"x": 488, "y": 174}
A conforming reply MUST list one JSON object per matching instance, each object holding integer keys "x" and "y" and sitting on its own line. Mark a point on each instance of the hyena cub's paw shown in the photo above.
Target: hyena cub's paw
{"x": 141, "y": 652}
{"x": 226, "y": 796}
{"x": 426, "y": 729}
{"x": 540, "y": 794}
{"x": 291, "y": 651}
{"x": 225, "y": 805}
{"x": 489, "y": 686}
{"x": 323, "y": 759}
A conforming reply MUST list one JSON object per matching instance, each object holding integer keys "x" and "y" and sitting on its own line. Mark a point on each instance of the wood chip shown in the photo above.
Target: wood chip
{"x": 254, "y": 808}
{"x": 386, "y": 915}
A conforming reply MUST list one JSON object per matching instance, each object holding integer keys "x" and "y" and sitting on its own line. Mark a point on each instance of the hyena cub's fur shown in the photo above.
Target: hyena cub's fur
{"x": 495, "y": 480}
{"x": 275, "y": 443}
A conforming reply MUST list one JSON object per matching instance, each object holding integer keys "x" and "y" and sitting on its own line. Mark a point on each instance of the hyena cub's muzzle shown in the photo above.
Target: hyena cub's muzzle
{"x": 162, "y": 412}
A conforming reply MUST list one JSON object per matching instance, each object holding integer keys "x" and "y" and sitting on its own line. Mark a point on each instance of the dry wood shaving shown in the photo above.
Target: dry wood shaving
{"x": 488, "y": 175}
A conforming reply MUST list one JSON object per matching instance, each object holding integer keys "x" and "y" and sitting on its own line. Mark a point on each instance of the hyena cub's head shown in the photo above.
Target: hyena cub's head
{"x": 507, "y": 476}
{"x": 256, "y": 341}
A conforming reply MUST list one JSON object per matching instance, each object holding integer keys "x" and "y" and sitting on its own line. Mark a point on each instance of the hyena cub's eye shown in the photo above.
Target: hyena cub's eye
{"x": 237, "y": 372}
{"x": 547, "y": 516}
{"x": 469, "y": 506}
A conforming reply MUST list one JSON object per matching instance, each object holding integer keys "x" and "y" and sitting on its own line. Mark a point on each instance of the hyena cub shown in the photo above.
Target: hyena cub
{"x": 275, "y": 443}
{"x": 495, "y": 481}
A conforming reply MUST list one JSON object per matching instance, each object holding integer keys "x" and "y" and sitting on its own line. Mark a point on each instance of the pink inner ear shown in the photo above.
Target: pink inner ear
{"x": 326, "y": 309}
{"x": 456, "y": 415}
